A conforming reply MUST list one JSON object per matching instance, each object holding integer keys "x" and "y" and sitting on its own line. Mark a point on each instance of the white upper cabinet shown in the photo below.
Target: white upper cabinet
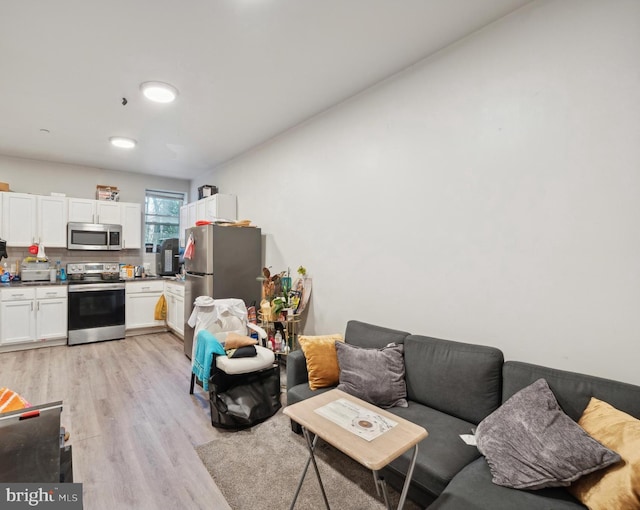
{"x": 184, "y": 218}
{"x": 215, "y": 207}
{"x": 188, "y": 215}
{"x": 220, "y": 207}
{"x": 192, "y": 214}
{"x": 28, "y": 219}
{"x": 131, "y": 214}
{"x": 108, "y": 212}
{"x": 83, "y": 210}
{"x": 19, "y": 219}
{"x": 52, "y": 213}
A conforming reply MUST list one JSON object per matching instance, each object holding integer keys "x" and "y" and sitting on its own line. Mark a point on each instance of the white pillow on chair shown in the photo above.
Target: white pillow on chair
{"x": 264, "y": 359}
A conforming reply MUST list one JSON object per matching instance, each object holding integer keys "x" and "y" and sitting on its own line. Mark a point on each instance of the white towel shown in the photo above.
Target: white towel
{"x": 208, "y": 311}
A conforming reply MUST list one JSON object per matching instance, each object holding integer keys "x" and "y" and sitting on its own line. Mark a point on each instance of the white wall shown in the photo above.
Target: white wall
{"x": 488, "y": 194}
{"x": 43, "y": 177}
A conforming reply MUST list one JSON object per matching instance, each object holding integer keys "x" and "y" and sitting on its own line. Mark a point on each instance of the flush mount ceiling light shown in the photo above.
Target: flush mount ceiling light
{"x": 123, "y": 142}
{"x": 158, "y": 91}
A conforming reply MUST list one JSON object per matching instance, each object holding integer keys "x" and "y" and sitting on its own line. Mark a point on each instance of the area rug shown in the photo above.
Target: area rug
{"x": 259, "y": 468}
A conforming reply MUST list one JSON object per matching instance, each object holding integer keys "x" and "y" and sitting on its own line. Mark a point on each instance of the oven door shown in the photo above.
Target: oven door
{"x": 96, "y": 312}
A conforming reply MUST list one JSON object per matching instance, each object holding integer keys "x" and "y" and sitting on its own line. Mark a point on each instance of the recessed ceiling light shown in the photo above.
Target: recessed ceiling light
{"x": 123, "y": 142}
{"x": 158, "y": 91}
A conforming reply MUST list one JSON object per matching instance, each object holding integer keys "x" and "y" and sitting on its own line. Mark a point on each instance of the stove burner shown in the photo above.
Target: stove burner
{"x": 93, "y": 272}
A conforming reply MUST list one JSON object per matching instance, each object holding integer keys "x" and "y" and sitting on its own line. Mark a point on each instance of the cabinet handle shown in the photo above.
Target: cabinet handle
{"x": 50, "y": 293}
{"x": 38, "y": 307}
{"x": 18, "y": 295}
{"x": 32, "y": 306}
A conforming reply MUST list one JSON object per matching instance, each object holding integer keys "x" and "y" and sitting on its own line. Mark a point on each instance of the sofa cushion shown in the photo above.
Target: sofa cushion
{"x": 617, "y": 486}
{"x": 460, "y": 379}
{"x": 374, "y": 375}
{"x": 322, "y": 361}
{"x": 530, "y": 443}
{"x": 370, "y": 336}
{"x": 442, "y": 453}
{"x": 302, "y": 392}
{"x": 472, "y": 489}
{"x": 296, "y": 369}
{"x": 572, "y": 390}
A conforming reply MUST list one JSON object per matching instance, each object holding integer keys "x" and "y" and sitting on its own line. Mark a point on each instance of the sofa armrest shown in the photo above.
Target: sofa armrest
{"x": 296, "y": 369}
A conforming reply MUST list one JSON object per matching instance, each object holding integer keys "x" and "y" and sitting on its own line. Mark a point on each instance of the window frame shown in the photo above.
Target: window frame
{"x": 154, "y": 238}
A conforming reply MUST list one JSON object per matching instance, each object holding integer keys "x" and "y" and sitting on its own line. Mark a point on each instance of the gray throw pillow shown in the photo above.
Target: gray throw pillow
{"x": 374, "y": 375}
{"x": 530, "y": 443}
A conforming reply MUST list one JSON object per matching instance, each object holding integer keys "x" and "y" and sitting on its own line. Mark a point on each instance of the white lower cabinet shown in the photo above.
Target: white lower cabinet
{"x": 51, "y": 312}
{"x": 30, "y": 315}
{"x": 18, "y": 320}
{"x": 140, "y": 305}
{"x": 174, "y": 294}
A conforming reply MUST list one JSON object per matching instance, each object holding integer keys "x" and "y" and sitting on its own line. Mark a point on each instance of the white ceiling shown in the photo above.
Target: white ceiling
{"x": 246, "y": 71}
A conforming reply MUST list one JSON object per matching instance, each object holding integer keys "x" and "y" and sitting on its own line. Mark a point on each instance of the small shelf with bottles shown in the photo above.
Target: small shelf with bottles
{"x": 284, "y": 328}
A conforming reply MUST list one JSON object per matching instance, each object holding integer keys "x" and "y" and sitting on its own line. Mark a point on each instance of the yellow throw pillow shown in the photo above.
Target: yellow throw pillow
{"x": 322, "y": 360}
{"x": 235, "y": 341}
{"x": 617, "y": 486}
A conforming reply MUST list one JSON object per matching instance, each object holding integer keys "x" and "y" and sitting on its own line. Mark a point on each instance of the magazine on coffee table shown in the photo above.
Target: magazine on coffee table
{"x": 356, "y": 419}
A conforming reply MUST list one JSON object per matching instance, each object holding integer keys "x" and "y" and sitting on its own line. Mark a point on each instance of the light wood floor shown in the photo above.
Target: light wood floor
{"x": 132, "y": 422}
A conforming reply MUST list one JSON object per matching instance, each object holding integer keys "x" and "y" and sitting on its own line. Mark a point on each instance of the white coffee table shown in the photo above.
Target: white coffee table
{"x": 374, "y": 454}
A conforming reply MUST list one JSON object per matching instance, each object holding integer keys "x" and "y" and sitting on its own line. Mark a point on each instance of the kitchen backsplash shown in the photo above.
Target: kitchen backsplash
{"x": 65, "y": 256}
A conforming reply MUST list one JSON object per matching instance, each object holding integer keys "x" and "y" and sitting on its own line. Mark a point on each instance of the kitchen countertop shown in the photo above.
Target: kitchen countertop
{"x": 172, "y": 279}
{"x": 66, "y": 282}
{"x": 34, "y": 284}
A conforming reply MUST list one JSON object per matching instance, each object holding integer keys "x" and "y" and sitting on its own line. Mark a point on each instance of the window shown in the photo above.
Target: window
{"x": 161, "y": 215}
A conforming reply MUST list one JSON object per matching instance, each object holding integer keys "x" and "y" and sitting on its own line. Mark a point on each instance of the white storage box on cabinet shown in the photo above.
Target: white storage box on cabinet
{"x": 140, "y": 305}
{"x": 33, "y": 317}
{"x": 174, "y": 294}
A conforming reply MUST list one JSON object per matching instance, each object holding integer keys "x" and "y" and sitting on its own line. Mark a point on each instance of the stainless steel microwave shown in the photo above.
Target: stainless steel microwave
{"x": 94, "y": 236}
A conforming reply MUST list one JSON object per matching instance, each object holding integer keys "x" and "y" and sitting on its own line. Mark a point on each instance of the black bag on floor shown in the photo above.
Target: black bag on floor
{"x": 243, "y": 400}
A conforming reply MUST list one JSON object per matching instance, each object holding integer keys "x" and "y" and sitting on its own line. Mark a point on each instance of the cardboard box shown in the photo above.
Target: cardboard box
{"x": 4, "y": 186}
{"x": 107, "y": 193}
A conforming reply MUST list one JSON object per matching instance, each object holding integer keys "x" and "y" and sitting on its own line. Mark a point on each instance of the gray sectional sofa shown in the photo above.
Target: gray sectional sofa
{"x": 451, "y": 387}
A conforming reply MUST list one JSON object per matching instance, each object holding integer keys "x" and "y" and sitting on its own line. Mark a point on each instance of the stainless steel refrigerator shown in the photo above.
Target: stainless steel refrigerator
{"x": 226, "y": 263}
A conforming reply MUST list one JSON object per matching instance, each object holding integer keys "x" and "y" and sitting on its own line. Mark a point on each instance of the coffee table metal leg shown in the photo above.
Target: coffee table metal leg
{"x": 407, "y": 480}
{"x": 380, "y": 483}
{"x": 311, "y": 445}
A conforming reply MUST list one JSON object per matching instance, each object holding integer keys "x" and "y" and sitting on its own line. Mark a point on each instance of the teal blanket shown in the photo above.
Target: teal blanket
{"x": 206, "y": 346}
